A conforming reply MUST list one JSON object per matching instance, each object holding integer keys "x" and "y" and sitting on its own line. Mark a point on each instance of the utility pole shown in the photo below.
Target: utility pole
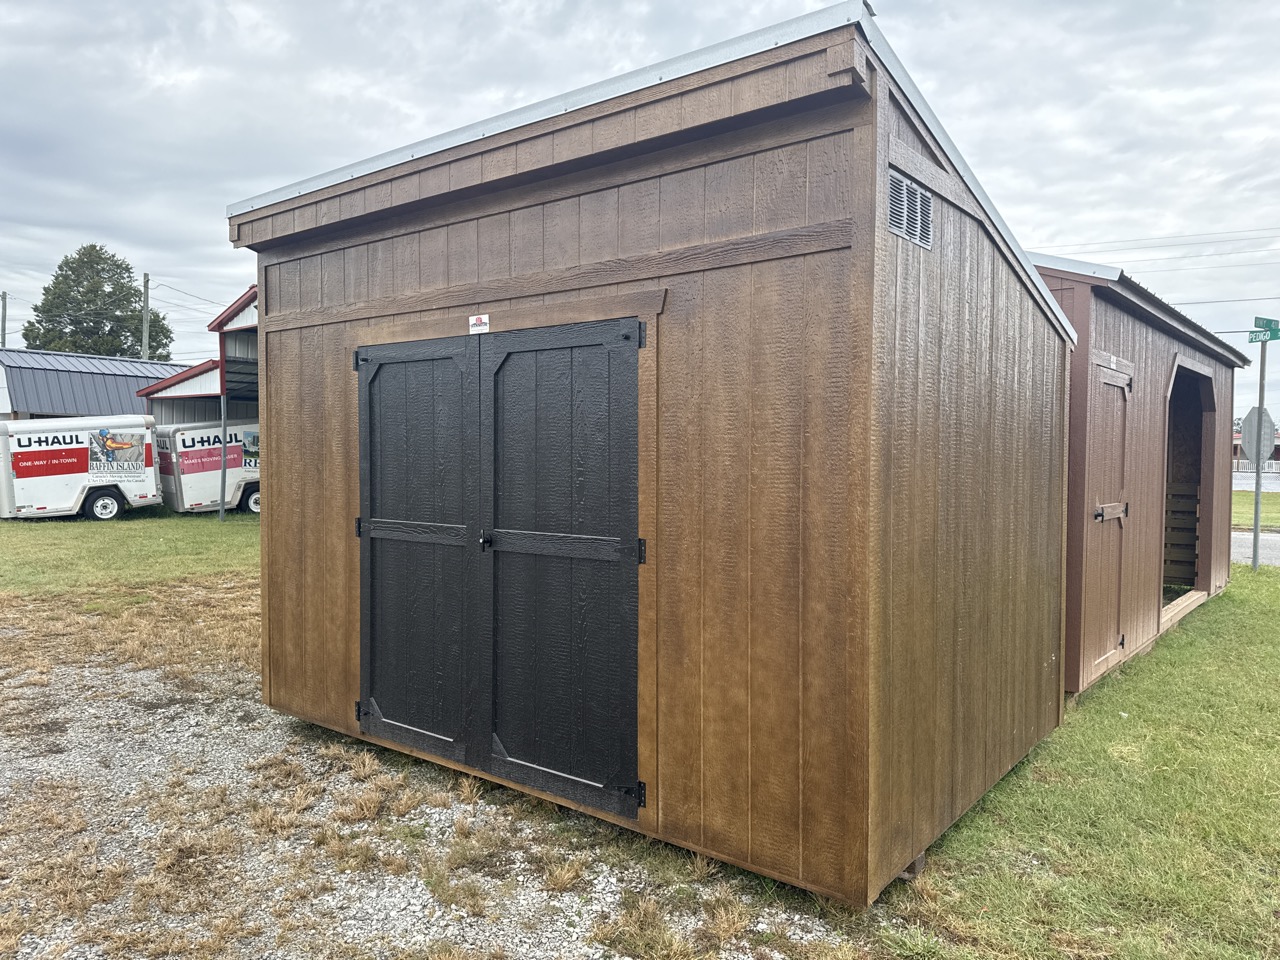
{"x": 1257, "y": 465}
{"x": 146, "y": 316}
{"x": 4, "y": 317}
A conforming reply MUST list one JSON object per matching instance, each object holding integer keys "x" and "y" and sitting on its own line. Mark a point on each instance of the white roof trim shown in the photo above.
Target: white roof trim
{"x": 1082, "y": 267}
{"x": 811, "y": 24}
{"x": 899, "y": 73}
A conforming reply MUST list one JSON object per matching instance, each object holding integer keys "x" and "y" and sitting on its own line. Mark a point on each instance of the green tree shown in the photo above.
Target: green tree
{"x": 93, "y": 304}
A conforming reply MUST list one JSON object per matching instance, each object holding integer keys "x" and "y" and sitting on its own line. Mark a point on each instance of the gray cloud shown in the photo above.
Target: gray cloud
{"x": 135, "y": 124}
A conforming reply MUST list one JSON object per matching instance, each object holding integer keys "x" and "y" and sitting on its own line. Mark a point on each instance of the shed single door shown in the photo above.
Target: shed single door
{"x": 1102, "y": 640}
{"x": 519, "y": 659}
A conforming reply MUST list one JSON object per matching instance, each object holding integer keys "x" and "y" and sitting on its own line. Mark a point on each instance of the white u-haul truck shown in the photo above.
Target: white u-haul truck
{"x": 89, "y": 465}
{"x": 190, "y": 458}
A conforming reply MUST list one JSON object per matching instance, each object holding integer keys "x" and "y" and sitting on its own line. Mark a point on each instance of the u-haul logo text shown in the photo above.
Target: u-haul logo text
{"x": 193, "y": 443}
{"x": 53, "y": 440}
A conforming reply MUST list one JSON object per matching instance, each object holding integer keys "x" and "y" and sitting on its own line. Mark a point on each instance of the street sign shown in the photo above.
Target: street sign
{"x": 1263, "y": 323}
{"x": 1249, "y": 435}
{"x": 1262, "y": 336}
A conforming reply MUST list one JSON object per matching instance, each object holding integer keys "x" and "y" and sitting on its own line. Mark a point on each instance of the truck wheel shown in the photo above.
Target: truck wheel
{"x": 251, "y": 502}
{"x": 102, "y": 505}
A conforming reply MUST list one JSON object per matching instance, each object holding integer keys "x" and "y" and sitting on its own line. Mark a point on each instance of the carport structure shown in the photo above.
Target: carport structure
{"x": 1149, "y": 508}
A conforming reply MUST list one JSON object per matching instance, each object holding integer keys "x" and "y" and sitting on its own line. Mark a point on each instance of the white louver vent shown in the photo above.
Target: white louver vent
{"x": 910, "y": 210}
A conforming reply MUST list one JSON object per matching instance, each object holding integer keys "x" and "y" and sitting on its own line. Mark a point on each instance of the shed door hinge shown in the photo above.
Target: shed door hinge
{"x": 360, "y": 712}
{"x": 359, "y": 527}
{"x": 640, "y": 550}
{"x": 1122, "y": 641}
{"x": 643, "y": 335}
{"x": 355, "y": 361}
{"x": 638, "y": 791}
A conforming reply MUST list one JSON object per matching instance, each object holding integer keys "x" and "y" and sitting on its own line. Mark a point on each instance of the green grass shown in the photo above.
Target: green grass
{"x": 1147, "y": 826}
{"x": 143, "y": 546}
{"x": 1242, "y": 510}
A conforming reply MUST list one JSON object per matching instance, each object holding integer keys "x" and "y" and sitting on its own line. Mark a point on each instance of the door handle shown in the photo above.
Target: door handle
{"x": 486, "y": 541}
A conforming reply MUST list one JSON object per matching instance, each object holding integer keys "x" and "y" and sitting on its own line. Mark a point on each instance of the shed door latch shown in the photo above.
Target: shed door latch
{"x": 640, "y": 551}
{"x": 486, "y": 540}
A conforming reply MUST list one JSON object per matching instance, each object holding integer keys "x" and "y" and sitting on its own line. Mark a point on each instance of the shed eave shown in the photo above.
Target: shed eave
{"x": 881, "y": 48}
{"x": 736, "y": 48}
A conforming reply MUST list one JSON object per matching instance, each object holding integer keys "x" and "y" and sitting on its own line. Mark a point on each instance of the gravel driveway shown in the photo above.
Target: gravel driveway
{"x": 160, "y": 810}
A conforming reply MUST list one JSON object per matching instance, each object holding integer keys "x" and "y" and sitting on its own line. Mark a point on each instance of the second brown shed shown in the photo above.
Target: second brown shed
{"x": 1149, "y": 510}
{"x": 703, "y": 464}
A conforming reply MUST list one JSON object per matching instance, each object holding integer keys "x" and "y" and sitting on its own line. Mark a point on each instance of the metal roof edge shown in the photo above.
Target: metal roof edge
{"x": 1083, "y": 267}
{"x": 726, "y": 51}
{"x": 1136, "y": 293}
{"x": 880, "y": 46}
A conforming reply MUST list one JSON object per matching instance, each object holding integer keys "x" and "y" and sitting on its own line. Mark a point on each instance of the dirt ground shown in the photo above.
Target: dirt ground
{"x": 150, "y": 806}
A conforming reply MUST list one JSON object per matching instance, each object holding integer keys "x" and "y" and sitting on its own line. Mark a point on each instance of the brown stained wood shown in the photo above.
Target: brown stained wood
{"x": 725, "y": 610}
{"x": 658, "y": 118}
{"x": 332, "y": 279}
{"x": 785, "y": 243}
{"x": 829, "y": 184}
{"x": 405, "y": 189}
{"x": 377, "y": 197}
{"x": 463, "y": 254}
{"x": 760, "y": 89}
{"x": 639, "y": 222}
{"x": 355, "y": 268}
{"x": 330, "y": 385}
{"x": 534, "y": 153}
{"x": 776, "y": 437}
{"x": 571, "y": 143}
{"x": 792, "y": 129}
{"x": 433, "y": 259}
{"x": 681, "y": 209}
{"x": 406, "y": 266}
{"x": 464, "y": 172}
{"x": 497, "y": 164}
{"x": 827, "y": 375}
{"x": 730, "y": 199}
{"x": 310, "y": 284}
{"x": 808, "y": 75}
{"x": 290, "y": 688}
{"x": 616, "y": 130}
{"x": 598, "y": 228}
{"x": 560, "y": 235}
{"x": 270, "y": 287}
{"x": 352, "y": 205}
{"x": 381, "y": 270}
{"x": 679, "y": 577}
{"x": 705, "y": 104}
{"x": 781, "y": 187}
{"x": 526, "y": 241}
{"x": 494, "y": 247}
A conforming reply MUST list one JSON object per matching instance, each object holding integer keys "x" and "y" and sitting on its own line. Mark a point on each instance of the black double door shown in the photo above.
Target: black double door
{"x": 499, "y": 551}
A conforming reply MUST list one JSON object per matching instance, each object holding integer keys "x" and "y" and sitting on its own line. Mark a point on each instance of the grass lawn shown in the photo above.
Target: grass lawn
{"x": 1147, "y": 826}
{"x": 1242, "y": 510}
{"x": 143, "y": 546}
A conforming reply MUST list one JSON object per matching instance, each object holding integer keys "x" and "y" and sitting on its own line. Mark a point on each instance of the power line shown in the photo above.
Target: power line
{"x": 1199, "y": 303}
{"x": 1215, "y": 266}
{"x": 1172, "y": 236}
{"x": 1200, "y": 256}
{"x": 192, "y": 295}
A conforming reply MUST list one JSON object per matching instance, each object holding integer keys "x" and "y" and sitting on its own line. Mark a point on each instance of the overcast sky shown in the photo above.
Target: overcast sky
{"x": 135, "y": 124}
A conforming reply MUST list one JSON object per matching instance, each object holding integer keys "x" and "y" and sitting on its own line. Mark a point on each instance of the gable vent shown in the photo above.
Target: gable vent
{"x": 910, "y": 210}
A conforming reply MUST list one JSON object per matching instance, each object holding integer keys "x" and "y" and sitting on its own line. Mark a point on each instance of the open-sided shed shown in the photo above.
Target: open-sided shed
{"x": 689, "y": 449}
{"x": 1149, "y": 509}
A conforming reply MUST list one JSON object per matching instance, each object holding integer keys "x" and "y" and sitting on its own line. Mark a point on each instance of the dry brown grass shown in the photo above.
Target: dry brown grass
{"x": 563, "y": 876}
{"x": 202, "y": 623}
{"x": 642, "y": 931}
{"x": 471, "y": 790}
{"x": 726, "y": 917}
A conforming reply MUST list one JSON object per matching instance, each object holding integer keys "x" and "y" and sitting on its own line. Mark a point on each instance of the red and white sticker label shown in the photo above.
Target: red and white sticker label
{"x": 49, "y": 463}
{"x": 478, "y": 323}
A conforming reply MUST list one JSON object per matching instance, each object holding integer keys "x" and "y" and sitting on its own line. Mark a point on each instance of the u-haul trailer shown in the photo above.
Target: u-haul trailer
{"x": 190, "y": 457}
{"x": 89, "y": 465}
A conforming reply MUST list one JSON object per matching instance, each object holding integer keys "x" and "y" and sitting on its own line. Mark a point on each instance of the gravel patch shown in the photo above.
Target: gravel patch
{"x": 161, "y": 812}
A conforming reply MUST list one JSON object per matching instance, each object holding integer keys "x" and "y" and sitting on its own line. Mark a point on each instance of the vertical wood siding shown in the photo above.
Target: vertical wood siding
{"x": 967, "y": 491}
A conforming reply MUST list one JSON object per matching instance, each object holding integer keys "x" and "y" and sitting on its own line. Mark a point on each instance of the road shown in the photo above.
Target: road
{"x": 1268, "y": 548}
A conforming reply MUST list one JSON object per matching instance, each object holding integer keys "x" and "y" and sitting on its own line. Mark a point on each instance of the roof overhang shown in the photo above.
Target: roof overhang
{"x": 1115, "y": 286}
{"x": 178, "y": 379}
{"x": 228, "y": 317}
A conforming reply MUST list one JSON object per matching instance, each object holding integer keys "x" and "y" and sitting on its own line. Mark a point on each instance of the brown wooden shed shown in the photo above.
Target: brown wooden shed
{"x": 1149, "y": 505}
{"x": 738, "y": 520}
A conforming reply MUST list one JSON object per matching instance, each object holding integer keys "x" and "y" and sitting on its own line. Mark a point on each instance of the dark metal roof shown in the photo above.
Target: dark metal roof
{"x": 48, "y": 383}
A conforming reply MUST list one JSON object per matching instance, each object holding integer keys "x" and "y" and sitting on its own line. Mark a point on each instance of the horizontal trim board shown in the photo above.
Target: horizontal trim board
{"x": 727, "y": 51}
{"x": 445, "y": 534}
{"x": 535, "y": 543}
{"x": 780, "y": 245}
{"x": 815, "y": 124}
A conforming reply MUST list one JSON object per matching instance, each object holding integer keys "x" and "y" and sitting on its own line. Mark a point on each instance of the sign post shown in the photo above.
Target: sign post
{"x": 1267, "y": 331}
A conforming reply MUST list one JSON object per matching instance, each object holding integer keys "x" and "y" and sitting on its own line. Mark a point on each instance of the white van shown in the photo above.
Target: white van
{"x": 89, "y": 465}
{"x": 190, "y": 457}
